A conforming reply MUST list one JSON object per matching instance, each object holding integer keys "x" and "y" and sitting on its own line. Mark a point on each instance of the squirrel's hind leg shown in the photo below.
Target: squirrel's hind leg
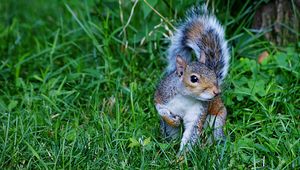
{"x": 216, "y": 117}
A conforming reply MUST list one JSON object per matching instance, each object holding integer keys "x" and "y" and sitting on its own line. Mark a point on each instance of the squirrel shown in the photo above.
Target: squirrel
{"x": 190, "y": 90}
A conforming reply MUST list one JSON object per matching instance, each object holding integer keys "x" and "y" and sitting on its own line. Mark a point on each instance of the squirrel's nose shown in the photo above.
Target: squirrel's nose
{"x": 216, "y": 91}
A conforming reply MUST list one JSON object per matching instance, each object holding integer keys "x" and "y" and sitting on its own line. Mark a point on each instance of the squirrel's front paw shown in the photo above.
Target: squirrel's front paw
{"x": 176, "y": 120}
{"x": 172, "y": 120}
{"x": 164, "y": 112}
{"x": 168, "y": 117}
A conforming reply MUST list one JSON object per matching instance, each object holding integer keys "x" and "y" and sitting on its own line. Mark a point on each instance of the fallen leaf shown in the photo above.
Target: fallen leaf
{"x": 263, "y": 56}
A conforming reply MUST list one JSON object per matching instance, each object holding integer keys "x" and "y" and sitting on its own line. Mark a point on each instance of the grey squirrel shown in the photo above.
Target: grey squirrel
{"x": 190, "y": 91}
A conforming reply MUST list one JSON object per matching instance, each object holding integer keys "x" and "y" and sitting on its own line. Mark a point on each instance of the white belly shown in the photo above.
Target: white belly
{"x": 189, "y": 109}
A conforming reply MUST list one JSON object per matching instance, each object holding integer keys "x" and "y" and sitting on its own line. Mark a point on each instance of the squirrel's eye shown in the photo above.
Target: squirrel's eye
{"x": 194, "y": 79}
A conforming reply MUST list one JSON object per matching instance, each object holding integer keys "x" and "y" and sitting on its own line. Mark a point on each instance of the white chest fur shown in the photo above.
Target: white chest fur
{"x": 189, "y": 109}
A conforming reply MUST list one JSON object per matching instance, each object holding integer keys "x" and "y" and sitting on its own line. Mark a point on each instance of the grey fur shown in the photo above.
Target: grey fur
{"x": 168, "y": 87}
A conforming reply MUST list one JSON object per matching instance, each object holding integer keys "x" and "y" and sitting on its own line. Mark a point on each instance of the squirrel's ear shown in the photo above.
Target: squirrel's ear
{"x": 202, "y": 58}
{"x": 180, "y": 65}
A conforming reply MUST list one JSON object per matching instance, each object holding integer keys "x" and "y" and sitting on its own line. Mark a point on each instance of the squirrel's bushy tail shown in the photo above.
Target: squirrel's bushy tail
{"x": 200, "y": 33}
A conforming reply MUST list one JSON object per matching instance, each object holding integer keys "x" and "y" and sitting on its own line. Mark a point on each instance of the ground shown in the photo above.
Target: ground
{"x": 77, "y": 80}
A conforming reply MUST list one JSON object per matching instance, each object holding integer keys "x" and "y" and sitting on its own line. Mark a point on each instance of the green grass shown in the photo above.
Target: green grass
{"x": 76, "y": 89}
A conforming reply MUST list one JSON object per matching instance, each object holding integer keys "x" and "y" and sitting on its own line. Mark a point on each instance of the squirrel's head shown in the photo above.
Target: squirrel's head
{"x": 197, "y": 79}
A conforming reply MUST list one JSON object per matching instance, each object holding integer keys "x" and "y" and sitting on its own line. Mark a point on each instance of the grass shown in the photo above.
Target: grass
{"x": 77, "y": 84}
